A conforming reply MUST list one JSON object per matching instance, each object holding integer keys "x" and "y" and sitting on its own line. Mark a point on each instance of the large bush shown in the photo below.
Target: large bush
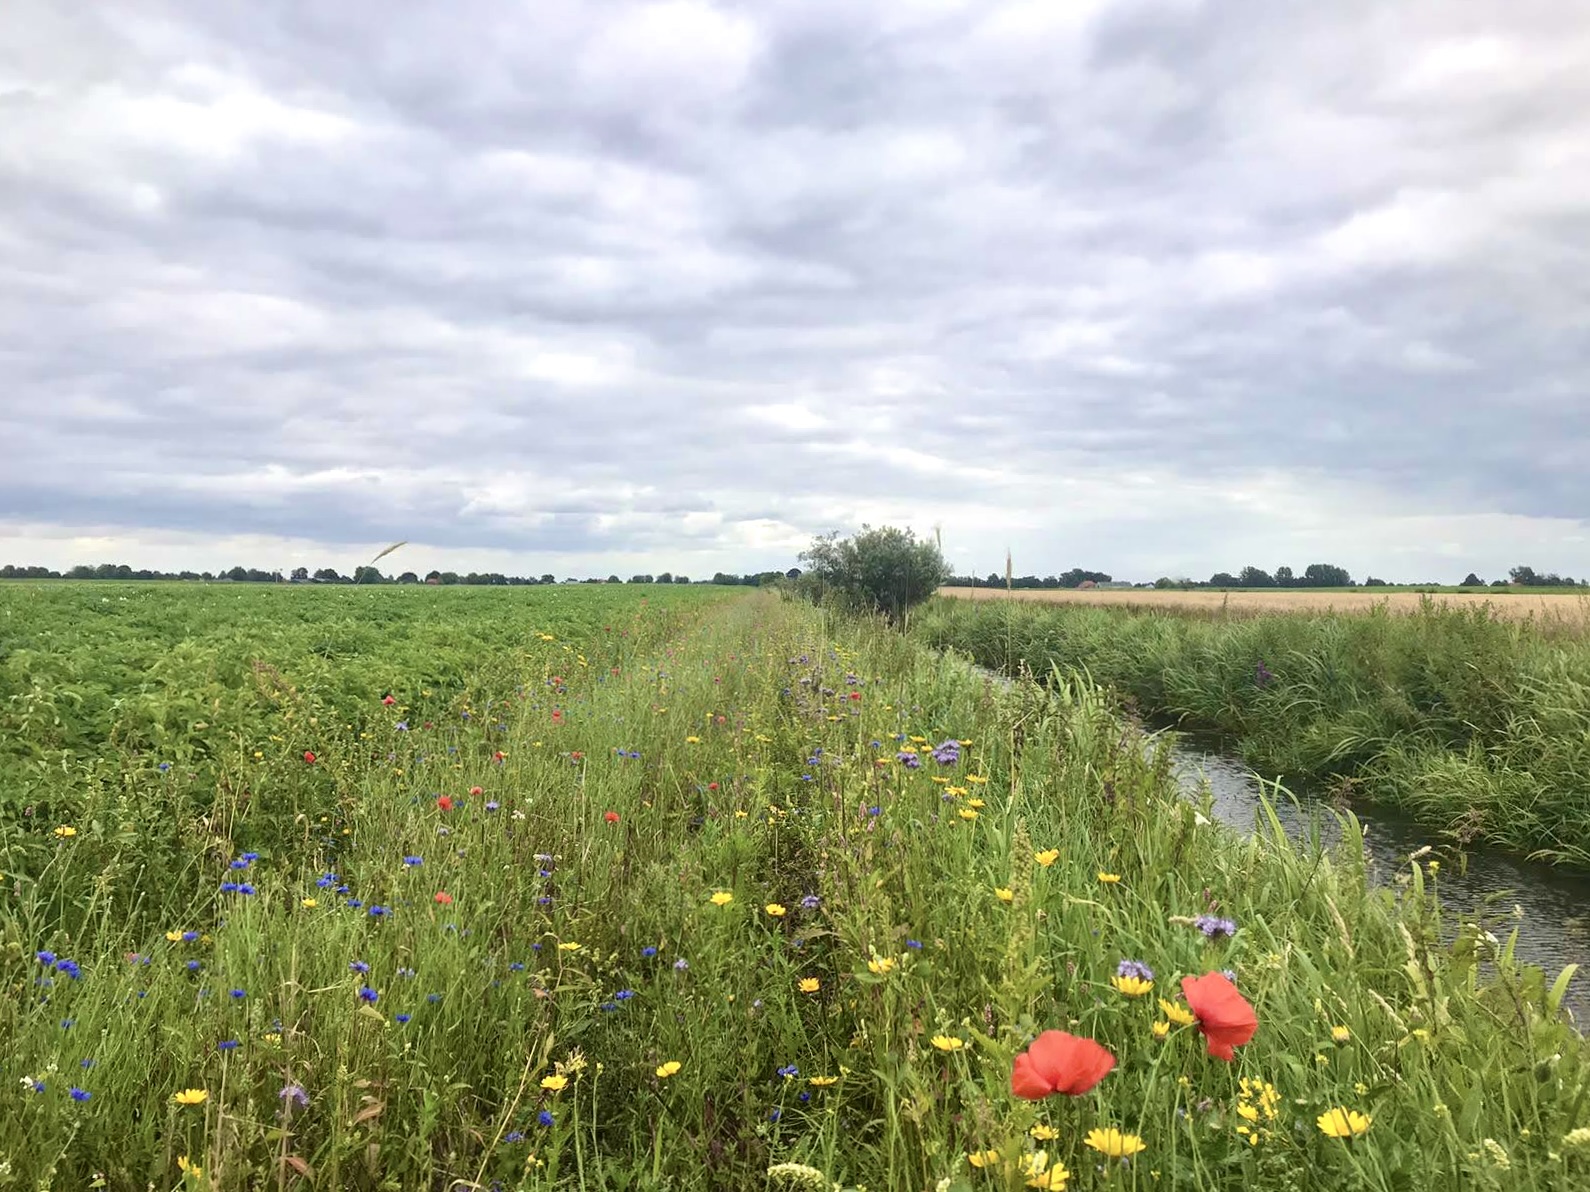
{"x": 884, "y": 570}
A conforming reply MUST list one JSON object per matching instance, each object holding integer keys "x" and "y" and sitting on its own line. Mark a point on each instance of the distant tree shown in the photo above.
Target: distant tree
{"x": 1372, "y": 582}
{"x": 640, "y": 579}
{"x": 368, "y": 575}
{"x": 884, "y": 570}
{"x": 1077, "y": 576}
{"x": 1255, "y": 577}
{"x": 1469, "y": 581}
{"x": 408, "y": 577}
{"x": 793, "y": 573}
{"x": 681, "y": 579}
{"x": 1326, "y": 575}
{"x": 1164, "y": 582}
{"x": 328, "y": 575}
{"x": 1523, "y": 575}
{"x": 449, "y": 577}
{"x": 1284, "y": 577}
{"x": 549, "y": 578}
{"x": 667, "y": 577}
{"x": 300, "y": 574}
{"x": 1223, "y": 579}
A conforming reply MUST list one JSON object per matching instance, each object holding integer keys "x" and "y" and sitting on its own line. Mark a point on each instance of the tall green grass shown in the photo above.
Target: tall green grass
{"x": 612, "y": 910}
{"x": 1474, "y": 724}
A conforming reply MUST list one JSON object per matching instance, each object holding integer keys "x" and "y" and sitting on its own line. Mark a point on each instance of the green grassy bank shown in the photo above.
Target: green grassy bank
{"x": 727, "y": 898}
{"x": 1475, "y": 725}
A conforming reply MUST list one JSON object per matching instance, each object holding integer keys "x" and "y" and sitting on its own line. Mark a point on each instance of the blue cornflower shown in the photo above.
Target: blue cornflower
{"x": 355, "y": 903}
{"x": 492, "y": 805}
{"x": 648, "y": 952}
{"x": 608, "y": 1007}
{"x": 544, "y": 900}
{"x": 402, "y": 726}
{"x": 163, "y": 767}
{"x": 239, "y": 994}
{"x": 245, "y": 889}
{"x": 789, "y": 1072}
{"x": 239, "y": 864}
{"x": 37, "y": 1085}
{"x": 85, "y": 1064}
{"x": 406, "y": 972}
{"x": 775, "y": 1115}
{"x": 412, "y": 860}
{"x": 358, "y": 966}
{"x": 623, "y": 995}
{"x": 227, "y": 1044}
{"x": 401, "y": 1019}
{"x": 433, "y": 998}
{"x": 916, "y": 945}
{"x": 545, "y": 1117}
{"x": 79, "y": 1094}
{"x": 366, "y": 994}
{"x": 804, "y": 1097}
{"x": 1229, "y": 975}
{"x": 45, "y": 958}
{"x": 69, "y": 967}
{"x": 189, "y": 936}
{"x": 326, "y": 879}
{"x": 194, "y": 966}
{"x": 513, "y": 1136}
{"x": 67, "y": 1023}
{"x": 875, "y": 810}
{"x": 230, "y": 887}
{"x": 516, "y": 967}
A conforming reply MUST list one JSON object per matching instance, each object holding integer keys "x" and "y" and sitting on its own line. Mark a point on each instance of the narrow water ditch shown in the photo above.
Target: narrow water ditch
{"x": 1550, "y": 906}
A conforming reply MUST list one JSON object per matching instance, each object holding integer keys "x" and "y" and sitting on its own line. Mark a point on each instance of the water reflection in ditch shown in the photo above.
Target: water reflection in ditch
{"x": 1551, "y": 905}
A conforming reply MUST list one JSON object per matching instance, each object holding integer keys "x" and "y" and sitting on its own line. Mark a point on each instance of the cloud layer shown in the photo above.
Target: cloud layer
{"x": 1157, "y": 286}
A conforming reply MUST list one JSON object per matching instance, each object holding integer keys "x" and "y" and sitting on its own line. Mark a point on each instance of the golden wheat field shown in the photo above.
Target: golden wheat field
{"x": 1560, "y": 607}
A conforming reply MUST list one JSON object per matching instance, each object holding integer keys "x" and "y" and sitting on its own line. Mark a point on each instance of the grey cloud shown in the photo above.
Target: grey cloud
{"x": 556, "y": 279}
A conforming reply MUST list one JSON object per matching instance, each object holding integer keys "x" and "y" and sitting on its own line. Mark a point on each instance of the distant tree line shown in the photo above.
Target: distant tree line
{"x": 368, "y": 575}
{"x": 1074, "y": 578}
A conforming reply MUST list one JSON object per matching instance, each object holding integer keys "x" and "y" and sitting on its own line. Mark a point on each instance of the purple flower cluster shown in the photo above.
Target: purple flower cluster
{"x": 1214, "y": 927}
{"x": 1134, "y": 968}
{"x": 947, "y": 753}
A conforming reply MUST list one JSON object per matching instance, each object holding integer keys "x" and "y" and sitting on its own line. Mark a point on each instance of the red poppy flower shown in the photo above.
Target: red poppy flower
{"x": 445, "y": 802}
{"x": 610, "y": 816}
{"x": 577, "y": 756}
{"x": 443, "y": 897}
{"x": 557, "y": 716}
{"x": 1224, "y": 1015}
{"x": 712, "y": 786}
{"x": 309, "y": 757}
{"x": 498, "y": 756}
{"x": 855, "y": 695}
{"x": 1059, "y": 1063}
{"x": 388, "y": 700}
{"x": 475, "y": 790}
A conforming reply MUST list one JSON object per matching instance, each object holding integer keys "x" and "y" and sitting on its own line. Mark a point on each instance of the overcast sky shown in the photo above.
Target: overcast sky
{"x": 1150, "y": 286}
